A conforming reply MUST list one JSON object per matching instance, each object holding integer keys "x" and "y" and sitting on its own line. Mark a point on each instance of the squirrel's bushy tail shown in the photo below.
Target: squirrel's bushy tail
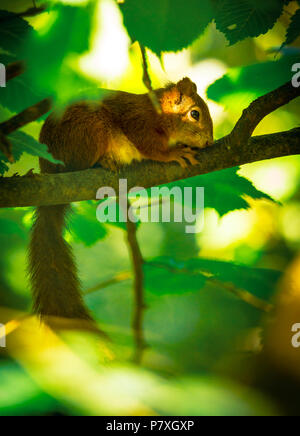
{"x": 52, "y": 269}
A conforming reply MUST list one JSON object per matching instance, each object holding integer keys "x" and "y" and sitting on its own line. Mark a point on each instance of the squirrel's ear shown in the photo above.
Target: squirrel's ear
{"x": 171, "y": 96}
{"x": 187, "y": 87}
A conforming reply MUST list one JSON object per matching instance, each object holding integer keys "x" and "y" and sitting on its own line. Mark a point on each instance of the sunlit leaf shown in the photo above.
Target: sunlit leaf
{"x": 166, "y": 25}
{"x": 261, "y": 78}
{"x": 84, "y": 225}
{"x": 24, "y": 143}
{"x": 162, "y": 281}
{"x": 184, "y": 276}
{"x": 293, "y": 31}
{"x": 13, "y": 31}
{"x": 19, "y": 93}
{"x": 20, "y": 395}
{"x": 224, "y": 190}
{"x": 257, "y": 79}
{"x": 3, "y": 166}
{"x": 51, "y": 53}
{"x": 239, "y": 19}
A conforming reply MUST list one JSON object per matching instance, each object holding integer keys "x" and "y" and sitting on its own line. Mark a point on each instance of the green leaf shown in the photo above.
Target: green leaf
{"x": 24, "y": 143}
{"x": 3, "y": 166}
{"x": 19, "y": 93}
{"x": 84, "y": 225}
{"x": 239, "y": 19}
{"x": 20, "y": 395}
{"x": 223, "y": 190}
{"x": 50, "y": 54}
{"x": 13, "y": 31}
{"x": 10, "y": 228}
{"x": 260, "y": 282}
{"x": 254, "y": 80}
{"x": 208, "y": 396}
{"x": 4, "y": 162}
{"x": 161, "y": 281}
{"x": 226, "y": 190}
{"x": 194, "y": 273}
{"x": 166, "y": 25}
{"x": 293, "y": 31}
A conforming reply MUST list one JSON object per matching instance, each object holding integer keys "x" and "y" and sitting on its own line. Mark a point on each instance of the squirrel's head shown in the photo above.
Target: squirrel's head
{"x": 186, "y": 116}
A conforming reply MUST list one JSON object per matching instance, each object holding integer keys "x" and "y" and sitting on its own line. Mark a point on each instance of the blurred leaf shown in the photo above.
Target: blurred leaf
{"x": 84, "y": 225}
{"x": 293, "y": 31}
{"x": 161, "y": 281}
{"x": 4, "y": 162}
{"x": 19, "y": 92}
{"x": 260, "y": 282}
{"x": 239, "y": 19}
{"x": 24, "y": 143}
{"x": 166, "y": 25}
{"x": 9, "y": 227}
{"x": 191, "y": 275}
{"x": 20, "y": 395}
{"x": 48, "y": 53}
{"x": 223, "y": 190}
{"x": 119, "y": 223}
{"x": 257, "y": 79}
{"x": 3, "y": 166}
{"x": 208, "y": 396}
{"x": 13, "y": 31}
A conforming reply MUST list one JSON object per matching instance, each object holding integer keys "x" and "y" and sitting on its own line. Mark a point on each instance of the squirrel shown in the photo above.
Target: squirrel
{"x": 111, "y": 133}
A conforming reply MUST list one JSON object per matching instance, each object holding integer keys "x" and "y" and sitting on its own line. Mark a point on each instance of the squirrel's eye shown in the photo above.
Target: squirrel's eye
{"x": 195, "y": 114}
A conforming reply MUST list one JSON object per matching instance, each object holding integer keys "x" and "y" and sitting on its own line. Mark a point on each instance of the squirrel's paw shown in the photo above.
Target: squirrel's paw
{"x": 30, "y": 173}
{"x": 185, "y": 155}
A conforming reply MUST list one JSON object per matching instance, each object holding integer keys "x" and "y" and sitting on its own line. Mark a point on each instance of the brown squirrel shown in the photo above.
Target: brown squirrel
{"x": 120, "y": 128}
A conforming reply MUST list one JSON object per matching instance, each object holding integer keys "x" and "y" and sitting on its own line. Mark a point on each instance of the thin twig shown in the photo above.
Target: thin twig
{"x": 6, "y": 147}
{"x": 140, "y": 306}
{"x": 242, "y": 294}
{"x": 147, "y": 81}
{"x": 30, "y": 12}
{"x": 258, "y": 110}
{"x": 29, "y": 115}
{"x": 14, "y": 69}
{"x": 121, "y": 277}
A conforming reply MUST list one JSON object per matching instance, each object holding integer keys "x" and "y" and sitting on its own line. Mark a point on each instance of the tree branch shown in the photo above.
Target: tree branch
{"x": 147, "y": 81}
{"x": 260, "y": 108}
{"x": 51, "y": 189}
{"x": 32, "y": 12}
{"x": 6, "y": 147}
{"x": 139, "y": 306}
{"x": 237, "y": 148}
{"x": 14, "y": 69}
{"x": 120, "y": 277}
{"x": 29, "y": 115}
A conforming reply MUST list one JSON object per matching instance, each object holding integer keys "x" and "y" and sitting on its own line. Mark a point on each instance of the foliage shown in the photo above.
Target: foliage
{"x": 240, "y": 19}
{"x": 255, "y": 80}
{"x": 175, "y": 26}
{"x": 204, "y": 303}
{"x": 166, "y": 19}
{"x": 293, "y": 31}
{"x": 224, "y": 190}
